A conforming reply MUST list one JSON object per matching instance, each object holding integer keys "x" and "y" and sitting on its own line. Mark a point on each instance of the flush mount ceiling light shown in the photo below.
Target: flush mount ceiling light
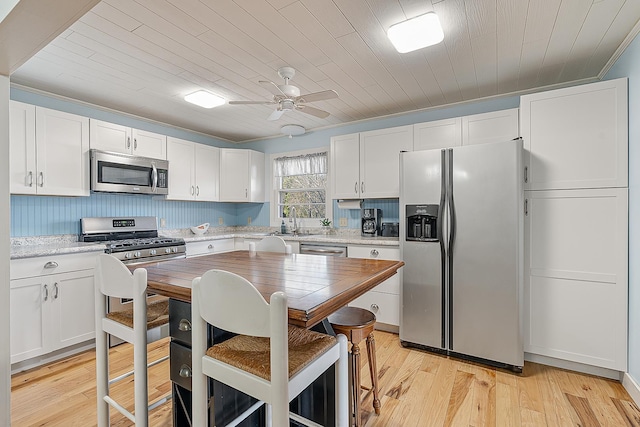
{"x": 204, "y": 99}
{"x": 416, "y": 33}
{"x": 292, "y": 130}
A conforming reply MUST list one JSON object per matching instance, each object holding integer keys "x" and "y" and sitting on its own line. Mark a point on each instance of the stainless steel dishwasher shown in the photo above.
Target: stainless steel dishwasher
{"x": 323, "y": 249}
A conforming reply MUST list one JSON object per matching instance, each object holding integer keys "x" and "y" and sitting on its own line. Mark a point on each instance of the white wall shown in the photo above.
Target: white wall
{"x": 628, "y": 65}
{"x": 5, "y": 217}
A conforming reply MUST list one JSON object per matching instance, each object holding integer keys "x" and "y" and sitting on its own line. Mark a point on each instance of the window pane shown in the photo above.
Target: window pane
{"x": 301, "y": 182}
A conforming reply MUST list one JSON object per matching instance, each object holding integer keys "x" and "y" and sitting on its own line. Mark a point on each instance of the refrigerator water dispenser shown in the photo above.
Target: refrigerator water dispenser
{"x": 422, "y": 222}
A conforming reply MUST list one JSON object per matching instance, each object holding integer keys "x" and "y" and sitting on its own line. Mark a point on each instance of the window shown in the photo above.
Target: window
{"x": 301, "y": 182}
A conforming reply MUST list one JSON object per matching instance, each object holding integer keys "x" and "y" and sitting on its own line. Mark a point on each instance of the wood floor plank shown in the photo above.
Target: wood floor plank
{"x": 418, "y": 389}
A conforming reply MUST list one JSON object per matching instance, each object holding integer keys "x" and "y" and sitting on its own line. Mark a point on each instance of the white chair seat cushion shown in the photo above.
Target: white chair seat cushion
{"x": 157, "y": 314}
{"x": 251, "y": 354}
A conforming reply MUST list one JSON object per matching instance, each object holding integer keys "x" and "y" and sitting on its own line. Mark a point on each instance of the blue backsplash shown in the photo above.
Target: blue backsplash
{"x": 45, "y": 215}
{"x": 390, "y": 208}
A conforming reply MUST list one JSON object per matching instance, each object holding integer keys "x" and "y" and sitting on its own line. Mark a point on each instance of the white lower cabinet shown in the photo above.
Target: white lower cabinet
{"x": 207, "y": 247}
{"x": 52, "y": 304}
{"x": 576, "y": 276}
{"x": 383, "y": 300}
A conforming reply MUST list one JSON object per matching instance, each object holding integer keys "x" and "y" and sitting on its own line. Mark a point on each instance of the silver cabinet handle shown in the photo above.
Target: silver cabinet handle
{"x": 526, "y": 174}
{"x": 526, "y": 207}
{"x": 46, "y": 292}
{"x": 184, "y": 325}
{"x": 374, "y": 307}
{"x": 362, "y": 187}
{"x": 135, "y": 143}
{"x": 246, "y": 193}
{"x": 185, "y": 371}
{"x": 51, "y": 264}
{"x": 193, "y": 190}
{"x": 197, "y": 190}
{"x": 355, "y": 189}
{"x": 210, "y": 247}
{"x": 128, "y": 142}
{"x": 55, "y": 290}
{"x": 30, "y": 178}
{"x": 41, "y": 179}
{"x": 374, "y": 253}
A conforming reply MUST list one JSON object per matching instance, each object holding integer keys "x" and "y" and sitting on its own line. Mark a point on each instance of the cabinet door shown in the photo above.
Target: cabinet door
{"x": 345, "y": 170}
{"x": 207, "y": 172}
{"x": 22, "y": 148}
{"x": 234, "y": 175}
{"x": 29, "y": 317}
{"x": 392, "y": 284}
{"x": 73, "y": 308}
{"x": 256, "y": 176}
{"x": 110, "y": 137}
{"x": 496, "y": 126}
{"x": 181, "y": 158}
{"x": 149, "y": 144}
{"x": 576, "y": 276}
{"x": 380, "y": 161}
{"x": 577, "y": 137}
{"x": 62, "y": 153}
{"x": 437, "y": 134}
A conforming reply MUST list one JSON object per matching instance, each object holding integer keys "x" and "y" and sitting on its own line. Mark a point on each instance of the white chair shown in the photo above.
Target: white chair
{"x": 273, "y": 244}
{"x": 270, "y": 360}
{"x": 113, "y": 279}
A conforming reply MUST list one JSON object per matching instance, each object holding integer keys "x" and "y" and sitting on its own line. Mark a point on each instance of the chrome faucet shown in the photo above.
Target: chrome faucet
{"x": 294, "y": 230}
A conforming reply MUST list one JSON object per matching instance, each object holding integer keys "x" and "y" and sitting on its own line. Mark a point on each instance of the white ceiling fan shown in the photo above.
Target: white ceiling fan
{"x": 287, "y": 97}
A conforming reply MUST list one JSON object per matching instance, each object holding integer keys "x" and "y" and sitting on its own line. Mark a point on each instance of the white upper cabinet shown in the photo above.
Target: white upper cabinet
{"x": 241, "y": 175}
{"x": 437, "y": 134}
{"x": 345, "y": 166}
{"x": 123, "y": 139}
{"x": 193, "y": 171}
{"x": 496, "y": 126}
{"x": 49, "y": 152}
{"x": 577, "y": 137}
{"x": 367, "y": 165}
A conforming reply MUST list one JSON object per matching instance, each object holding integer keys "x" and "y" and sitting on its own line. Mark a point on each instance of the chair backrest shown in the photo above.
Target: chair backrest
{"x": 114, "y": 279}
{"x": 272, "y": 244}
{"x": 232, "y": 303}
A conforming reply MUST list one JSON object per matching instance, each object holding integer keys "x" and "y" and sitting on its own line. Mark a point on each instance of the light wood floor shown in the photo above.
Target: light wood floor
{"x": 417, "y": 389}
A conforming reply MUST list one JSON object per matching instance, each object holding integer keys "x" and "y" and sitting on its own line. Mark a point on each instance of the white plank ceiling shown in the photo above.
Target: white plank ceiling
{"x": 141, "y": 57}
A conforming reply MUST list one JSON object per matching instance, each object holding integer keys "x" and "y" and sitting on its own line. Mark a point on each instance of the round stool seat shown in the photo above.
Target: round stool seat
{"x": 357, "y": 324}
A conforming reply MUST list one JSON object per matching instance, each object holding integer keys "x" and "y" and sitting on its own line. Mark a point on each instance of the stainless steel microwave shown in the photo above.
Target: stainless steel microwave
{"x": 123, "y": 173}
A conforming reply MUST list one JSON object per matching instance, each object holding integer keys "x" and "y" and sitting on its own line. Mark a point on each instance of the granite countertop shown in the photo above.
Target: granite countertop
{"x": 29, "y": 247}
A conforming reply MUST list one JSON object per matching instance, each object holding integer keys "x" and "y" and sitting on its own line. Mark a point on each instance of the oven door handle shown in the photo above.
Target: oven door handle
{"x": 154, "y": 178}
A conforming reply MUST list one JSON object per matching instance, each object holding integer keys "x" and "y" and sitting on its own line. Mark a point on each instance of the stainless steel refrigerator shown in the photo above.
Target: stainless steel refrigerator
{"x": 461, "y": 238}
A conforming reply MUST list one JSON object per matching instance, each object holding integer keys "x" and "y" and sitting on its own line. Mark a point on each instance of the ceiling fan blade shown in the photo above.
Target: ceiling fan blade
{"x": 312, "y": 111}
{"x": 318, "y": 96}
{"x": 275, "y": 115}
{"x": 251, "y": 102}
{"x": 272, "y": 87}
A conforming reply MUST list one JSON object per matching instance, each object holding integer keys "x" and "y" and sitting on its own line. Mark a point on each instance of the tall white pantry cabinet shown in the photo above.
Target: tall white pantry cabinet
{"x": 576, "y": 224}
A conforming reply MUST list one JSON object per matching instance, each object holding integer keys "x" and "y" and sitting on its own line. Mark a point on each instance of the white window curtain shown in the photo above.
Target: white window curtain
{"x": 306, "y": 164}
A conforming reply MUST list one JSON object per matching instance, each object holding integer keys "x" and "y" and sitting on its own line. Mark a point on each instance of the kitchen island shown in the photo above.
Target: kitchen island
{"x": 316, "y": 286}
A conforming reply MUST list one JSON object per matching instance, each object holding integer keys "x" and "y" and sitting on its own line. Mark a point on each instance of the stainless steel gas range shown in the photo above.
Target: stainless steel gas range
{"x": 133, "y": 240}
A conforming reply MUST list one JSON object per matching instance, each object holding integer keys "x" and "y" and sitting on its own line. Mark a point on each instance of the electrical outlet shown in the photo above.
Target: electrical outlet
{"x": 163, "y": 222}
{"x": 248, "y": 220}
{"x": 220, "y": 221}
{"x": 343, "y": 222}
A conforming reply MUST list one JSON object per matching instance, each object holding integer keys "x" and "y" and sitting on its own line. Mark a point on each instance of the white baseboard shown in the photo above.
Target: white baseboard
{"x": 51, "y": 357}
{"x": 632, "y": 387}
{"x": 574, "y": 366}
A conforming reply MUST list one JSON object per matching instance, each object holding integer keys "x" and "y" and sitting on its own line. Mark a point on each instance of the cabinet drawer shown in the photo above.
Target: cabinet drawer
{"x": 386, "y": 307}
{"x": 180, "y": 365}
{"x": 180, "y": 321}
{"x": 374, "y": 252}
{"x": 41, "y": 266}
{"x": 207, "y": 247}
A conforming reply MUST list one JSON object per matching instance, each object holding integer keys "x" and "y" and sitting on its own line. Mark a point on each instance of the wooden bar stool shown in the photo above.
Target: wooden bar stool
{"x": 357, "y": 324}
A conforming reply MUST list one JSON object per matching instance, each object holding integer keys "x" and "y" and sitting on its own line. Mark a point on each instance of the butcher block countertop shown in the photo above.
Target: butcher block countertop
{"x": 316, "y": 286}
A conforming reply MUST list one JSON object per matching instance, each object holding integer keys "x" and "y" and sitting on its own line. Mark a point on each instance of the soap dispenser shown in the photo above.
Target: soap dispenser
{"x": 283, "y": 228}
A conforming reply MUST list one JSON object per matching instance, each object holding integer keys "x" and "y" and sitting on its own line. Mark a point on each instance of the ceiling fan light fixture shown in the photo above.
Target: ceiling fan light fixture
{"x": 204, "y": 99}
{"x": 416, "y": 33}
{"x": 292, "y": 130}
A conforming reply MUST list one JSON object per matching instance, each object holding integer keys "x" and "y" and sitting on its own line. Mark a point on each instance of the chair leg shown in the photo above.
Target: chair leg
{"x": 373, "y": 370}
{"x": 355, "y": 360}
{"x": 140, "y": 385}
{"x": 102, "y": 377}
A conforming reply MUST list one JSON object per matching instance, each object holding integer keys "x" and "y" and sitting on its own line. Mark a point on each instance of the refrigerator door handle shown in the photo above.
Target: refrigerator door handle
{"x": 452, "y": 208}
{"x": 443, "y": 246}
